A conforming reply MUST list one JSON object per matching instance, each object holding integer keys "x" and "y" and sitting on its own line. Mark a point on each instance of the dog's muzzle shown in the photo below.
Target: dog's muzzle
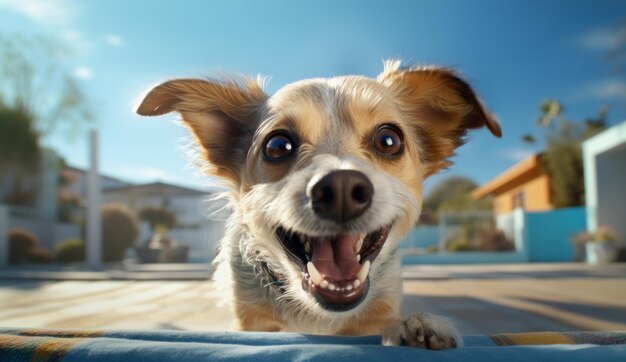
{"x": 335, "y": 268}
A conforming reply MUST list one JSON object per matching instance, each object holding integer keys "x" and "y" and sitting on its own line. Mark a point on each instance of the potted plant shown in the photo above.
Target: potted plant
{"x": 160, "y": 247}
{"x": 600, "y": 246}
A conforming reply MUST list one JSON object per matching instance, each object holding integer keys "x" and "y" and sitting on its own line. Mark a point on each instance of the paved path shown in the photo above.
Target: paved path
{"x": 482, "y": 299}
{"x": 521, "y": 297}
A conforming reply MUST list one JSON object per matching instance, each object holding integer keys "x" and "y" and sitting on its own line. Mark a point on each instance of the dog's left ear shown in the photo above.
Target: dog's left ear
{"x": 222, "y": 116}
{"x": 441, "y": 107}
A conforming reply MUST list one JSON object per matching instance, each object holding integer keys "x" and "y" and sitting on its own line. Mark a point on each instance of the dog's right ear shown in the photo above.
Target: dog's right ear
{"x": 222, "y": 115}
{"x": 442, "y": 108}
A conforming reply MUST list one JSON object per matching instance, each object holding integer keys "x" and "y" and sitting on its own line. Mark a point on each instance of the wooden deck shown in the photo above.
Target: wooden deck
{"x": 482, "y": 299}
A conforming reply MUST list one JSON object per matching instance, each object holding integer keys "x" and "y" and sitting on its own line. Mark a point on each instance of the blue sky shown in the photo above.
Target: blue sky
{"x": 515, "y": 53}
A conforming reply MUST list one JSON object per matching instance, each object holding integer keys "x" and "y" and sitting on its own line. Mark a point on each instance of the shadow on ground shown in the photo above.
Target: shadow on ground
{"x": 541, "y": 274}
{"x": 480, "y": 316}
{"x": 595, "y": 311}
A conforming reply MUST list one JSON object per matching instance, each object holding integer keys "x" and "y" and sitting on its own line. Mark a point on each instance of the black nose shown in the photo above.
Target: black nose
{"x": 342, "y": 195}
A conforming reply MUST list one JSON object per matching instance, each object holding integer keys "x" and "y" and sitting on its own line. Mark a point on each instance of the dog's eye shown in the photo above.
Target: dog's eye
{"x": 278, "y": 147}
{"x": 388, "y": 140}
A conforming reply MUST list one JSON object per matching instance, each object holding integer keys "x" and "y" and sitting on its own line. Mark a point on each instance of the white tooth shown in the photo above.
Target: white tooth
{"x": 356, "y": 283}
{"x": 358, "y": 257}
{"x": 349, "y": 287}
{"x": 365, "y": 269}
{"x": 316, "y": 277}
{"x": 324, "y": 284}
{"x": 307, "y": 248}
{"x": 359, "y": 243}
{"x": 331, "y": 286}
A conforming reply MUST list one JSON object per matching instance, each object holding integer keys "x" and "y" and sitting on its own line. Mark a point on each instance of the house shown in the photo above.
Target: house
{"x": 191, "y": 207}
{"x": 75, "y": 180}
{"x": 59, "y": 208}
{"x": 37, "y": 192}
{"x": 604, "y": 157}
{"x": 524, "y": 211}
{"x": 186, "y": 203}
{"x": 71, "y": 193}
{"x": 525, "y": 185}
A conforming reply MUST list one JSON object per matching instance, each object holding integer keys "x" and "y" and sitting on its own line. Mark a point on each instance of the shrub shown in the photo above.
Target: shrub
{"x": 495, "y": 240}
{"x": 70, "y": 251}
{"x": 40, "y": 255}
{"x": 461, "y": 245}
{"x": 21, "y": 241}
{"x": 465, "y": 237}
{"x": 24, "y": 248}
{"x": 119, "y": 231}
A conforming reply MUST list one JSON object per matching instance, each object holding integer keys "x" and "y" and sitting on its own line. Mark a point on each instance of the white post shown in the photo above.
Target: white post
{"x": 591, "y": 185}
{"x": 520, "y": 233}
{"x": 4, "y": 236}
{"x": 442, "y": 232}
{"x": 94, "y": 244}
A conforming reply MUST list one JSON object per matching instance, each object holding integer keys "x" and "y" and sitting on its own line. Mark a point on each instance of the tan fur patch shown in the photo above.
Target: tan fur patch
{"x": 303, "y": 117}
{"x": 222, "y": 116}
{"x": 374, "y": 320}
{"x": 257, "y": 318}
{"x": 442, "y": 107}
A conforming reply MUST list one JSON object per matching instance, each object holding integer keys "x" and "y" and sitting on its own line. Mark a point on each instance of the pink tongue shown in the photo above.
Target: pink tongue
{"x": 336, "y": 260}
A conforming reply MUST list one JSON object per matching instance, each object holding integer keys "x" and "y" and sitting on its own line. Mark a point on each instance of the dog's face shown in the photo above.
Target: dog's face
{"x": 328, "y": 172}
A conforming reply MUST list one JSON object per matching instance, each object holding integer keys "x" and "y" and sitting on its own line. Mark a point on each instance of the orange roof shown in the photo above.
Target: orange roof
{"x": 510, "y": 177}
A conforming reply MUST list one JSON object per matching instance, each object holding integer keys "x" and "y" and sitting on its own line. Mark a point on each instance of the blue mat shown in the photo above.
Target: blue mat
{"x": 179, "y": 346}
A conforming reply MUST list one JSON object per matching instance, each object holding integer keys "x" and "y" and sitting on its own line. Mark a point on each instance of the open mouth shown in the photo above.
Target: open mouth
{"x": 335, "y": 268}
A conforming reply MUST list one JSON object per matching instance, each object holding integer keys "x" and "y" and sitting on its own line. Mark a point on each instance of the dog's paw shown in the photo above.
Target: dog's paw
{"x": 423, "y": 330}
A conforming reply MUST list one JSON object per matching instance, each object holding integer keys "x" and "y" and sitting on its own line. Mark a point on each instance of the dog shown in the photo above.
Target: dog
{"x": 326, "y": 178}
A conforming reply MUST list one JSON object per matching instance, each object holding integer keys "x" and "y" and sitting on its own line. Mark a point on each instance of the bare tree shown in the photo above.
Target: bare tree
{"x": 35, "y": 82}
{"x": 37, "y": 96}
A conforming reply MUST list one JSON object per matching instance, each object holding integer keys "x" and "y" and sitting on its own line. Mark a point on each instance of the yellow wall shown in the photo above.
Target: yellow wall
{"x": 536, "y": 189}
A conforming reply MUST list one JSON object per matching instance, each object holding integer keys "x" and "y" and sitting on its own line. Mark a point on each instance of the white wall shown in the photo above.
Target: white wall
{"x": 506, "y": 223}
{"x": 611, "y": 181}
{"x": 604, "y": 158}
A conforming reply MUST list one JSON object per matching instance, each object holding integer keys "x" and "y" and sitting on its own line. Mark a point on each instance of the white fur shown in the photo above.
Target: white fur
{"x": 285, "y": 203}
{"x": 423, "y": 330}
